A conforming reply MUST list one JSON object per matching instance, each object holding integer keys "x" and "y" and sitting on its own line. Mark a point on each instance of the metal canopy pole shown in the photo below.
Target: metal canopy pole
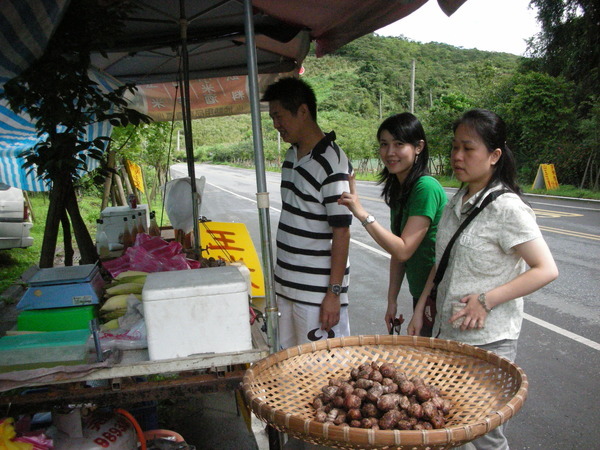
{"x": 262, "y": 195}
{"x": 187, "y": 124}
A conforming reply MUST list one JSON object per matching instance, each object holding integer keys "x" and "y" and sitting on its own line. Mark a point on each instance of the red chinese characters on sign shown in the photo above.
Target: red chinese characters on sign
{"x": 231, "y": 242}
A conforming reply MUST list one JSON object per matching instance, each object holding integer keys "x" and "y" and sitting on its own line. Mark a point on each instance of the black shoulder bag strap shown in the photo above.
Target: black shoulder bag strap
{"x": 439, "y": 274}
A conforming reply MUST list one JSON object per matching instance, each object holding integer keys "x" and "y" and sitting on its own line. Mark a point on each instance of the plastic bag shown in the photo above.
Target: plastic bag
{"x": 131, "y": 333}
{"x": 178, "y": 202}
{"x": 151, "y": 254}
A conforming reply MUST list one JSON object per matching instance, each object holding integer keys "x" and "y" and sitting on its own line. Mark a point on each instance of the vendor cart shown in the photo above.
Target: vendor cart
{"x": 331, "y": 26}
{"x": 118, "y": 378}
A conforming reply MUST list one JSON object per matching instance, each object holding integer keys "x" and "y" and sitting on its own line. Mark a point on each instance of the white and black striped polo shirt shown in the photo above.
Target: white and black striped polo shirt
{"x": 310, "y": 189}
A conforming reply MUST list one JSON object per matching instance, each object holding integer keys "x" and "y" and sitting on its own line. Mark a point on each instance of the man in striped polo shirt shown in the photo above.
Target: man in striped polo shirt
{"x": 312, "y": 267}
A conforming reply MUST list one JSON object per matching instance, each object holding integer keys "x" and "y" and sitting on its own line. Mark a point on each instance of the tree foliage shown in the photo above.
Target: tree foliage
{"x": 540, "y": 116}
{"x": 369, "y": 79}
{"x": 439, "y": 120}
{"x": 58, "y": 93}
{"x": 569, "y": 43}
{"x": 568, "y": 47}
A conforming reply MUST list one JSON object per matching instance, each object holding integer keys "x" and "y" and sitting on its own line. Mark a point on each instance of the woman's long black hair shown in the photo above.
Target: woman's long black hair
{"x": 492, "y": 130}
{"x": 407, "y": 129}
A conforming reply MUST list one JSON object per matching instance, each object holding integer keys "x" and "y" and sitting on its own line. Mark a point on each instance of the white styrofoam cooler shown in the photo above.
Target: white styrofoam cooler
{"x": 112, "y": 218}
{"x": 196, "y": 311}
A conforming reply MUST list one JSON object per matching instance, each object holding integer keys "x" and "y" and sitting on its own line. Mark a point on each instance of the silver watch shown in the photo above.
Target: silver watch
{"x": 369, "y": 219}
{"x": 482, "y": 299}
{"x": 335, "y": 288}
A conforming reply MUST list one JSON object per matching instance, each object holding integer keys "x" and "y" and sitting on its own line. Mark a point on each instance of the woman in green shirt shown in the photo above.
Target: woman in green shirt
{"x": 416, "y": 201}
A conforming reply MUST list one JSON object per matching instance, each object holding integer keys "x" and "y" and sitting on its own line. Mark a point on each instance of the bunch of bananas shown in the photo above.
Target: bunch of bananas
{"x": 125, "y": 285}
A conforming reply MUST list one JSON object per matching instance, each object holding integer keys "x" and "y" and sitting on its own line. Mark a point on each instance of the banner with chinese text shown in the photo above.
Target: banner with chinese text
{"x": 209, "y": 97}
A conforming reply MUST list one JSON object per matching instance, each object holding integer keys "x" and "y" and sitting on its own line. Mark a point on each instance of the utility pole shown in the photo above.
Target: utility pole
{"x": 412, "y": 88}
{"x": 380, "y": 105}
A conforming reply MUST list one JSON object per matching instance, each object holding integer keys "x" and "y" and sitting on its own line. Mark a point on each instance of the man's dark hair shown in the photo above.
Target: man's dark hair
{"x": 291, "y": 93}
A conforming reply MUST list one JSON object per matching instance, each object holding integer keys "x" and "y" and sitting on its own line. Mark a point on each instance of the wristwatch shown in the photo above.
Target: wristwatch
{"x": 369, "y": 219}
{"x": 335, "y": 288}
{"x": 481, "y": 299}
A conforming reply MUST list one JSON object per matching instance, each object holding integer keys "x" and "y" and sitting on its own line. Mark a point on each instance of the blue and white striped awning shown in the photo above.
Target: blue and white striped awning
{"x": 25, "y": 28}
{"x": 18, "y": 133}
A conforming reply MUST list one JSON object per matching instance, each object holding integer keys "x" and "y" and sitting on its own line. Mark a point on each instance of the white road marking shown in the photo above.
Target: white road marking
{"x": 373, "y": 249}
{"x": 238, "y": 195}
{"x": 562, "y": 331}
{"x": 540, "y": 322}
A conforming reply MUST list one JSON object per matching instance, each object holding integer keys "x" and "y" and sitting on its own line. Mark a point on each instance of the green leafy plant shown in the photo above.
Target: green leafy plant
{"x": 59, "y": 95}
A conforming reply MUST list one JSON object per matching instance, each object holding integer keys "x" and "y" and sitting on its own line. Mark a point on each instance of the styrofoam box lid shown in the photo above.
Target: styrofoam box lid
{"x": 122, "y": 210}
{"x": 193, "y": 283}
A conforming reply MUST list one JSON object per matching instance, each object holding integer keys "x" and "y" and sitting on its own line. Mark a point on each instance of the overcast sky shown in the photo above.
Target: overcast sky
{"x": 491, "y": 25}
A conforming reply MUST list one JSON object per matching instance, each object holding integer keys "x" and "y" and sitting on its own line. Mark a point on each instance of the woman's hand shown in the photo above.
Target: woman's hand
{"x": 390, "y": 315}
{"x": 474, "y": 314}
{"x": 415, "y": 324}
{"x": 351, "y": 201}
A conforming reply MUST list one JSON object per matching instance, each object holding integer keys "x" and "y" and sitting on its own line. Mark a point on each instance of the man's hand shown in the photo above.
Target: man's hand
{"x": 330, "y": 311}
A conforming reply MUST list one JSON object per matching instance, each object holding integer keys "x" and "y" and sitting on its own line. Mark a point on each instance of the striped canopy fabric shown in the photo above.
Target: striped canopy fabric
{"x": 147, "y": 54}
{"x": 18, "y": 133}
{"x": 25, "y": 28}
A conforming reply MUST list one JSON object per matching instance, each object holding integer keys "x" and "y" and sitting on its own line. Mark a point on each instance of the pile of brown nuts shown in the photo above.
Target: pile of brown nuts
{"x": 383, "y": 398}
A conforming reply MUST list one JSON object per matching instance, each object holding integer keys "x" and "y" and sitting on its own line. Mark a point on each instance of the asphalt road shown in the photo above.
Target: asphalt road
{"x": 559, "y": 346}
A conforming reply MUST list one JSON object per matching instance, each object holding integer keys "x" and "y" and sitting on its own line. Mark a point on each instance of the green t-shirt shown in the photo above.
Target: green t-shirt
{"x": 427, "y": 198}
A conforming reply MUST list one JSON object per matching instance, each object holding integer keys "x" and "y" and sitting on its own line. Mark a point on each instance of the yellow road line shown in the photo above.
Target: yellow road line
{"x": 541, "y": 213}
{"x": 593, "y": 237}
{"x": 550, "y": 213}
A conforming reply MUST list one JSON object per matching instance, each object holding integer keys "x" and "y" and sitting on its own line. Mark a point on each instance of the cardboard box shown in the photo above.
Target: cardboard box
{"x": 196, "y": 311}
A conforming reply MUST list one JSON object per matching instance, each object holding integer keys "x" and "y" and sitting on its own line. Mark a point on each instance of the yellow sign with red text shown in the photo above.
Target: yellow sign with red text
{"x": 231, "y": 242}
{"x": 546, "y": 178}
{"x": 135, "y": 175}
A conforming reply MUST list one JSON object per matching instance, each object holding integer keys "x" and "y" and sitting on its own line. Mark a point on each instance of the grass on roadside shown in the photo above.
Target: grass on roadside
{"x": 14, "y": 262}
{"x": 562, "y": 191}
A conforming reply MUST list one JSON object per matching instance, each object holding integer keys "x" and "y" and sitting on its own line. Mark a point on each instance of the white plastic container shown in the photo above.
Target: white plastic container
{"x": 190, "y": 312}
{"x": 112, "y": 218}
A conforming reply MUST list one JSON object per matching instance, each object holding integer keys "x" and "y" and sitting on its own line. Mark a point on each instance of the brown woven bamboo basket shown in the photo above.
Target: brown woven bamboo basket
{"x": 485, "y": 389}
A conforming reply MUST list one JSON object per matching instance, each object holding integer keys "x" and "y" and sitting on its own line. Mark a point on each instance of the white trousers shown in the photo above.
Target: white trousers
{"x": 299, "y": 324}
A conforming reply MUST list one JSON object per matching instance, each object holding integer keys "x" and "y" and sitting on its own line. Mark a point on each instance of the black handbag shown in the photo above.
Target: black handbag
{"x": 430, "y": 310}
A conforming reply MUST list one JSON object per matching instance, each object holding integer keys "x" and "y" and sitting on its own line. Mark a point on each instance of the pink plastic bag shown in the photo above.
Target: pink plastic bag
{"x": 151, "y": 254}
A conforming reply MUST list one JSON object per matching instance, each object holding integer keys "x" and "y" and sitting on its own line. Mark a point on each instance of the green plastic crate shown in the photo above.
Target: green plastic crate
{"x": 54, "y": 348}
{"x": 56, "y": 319}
